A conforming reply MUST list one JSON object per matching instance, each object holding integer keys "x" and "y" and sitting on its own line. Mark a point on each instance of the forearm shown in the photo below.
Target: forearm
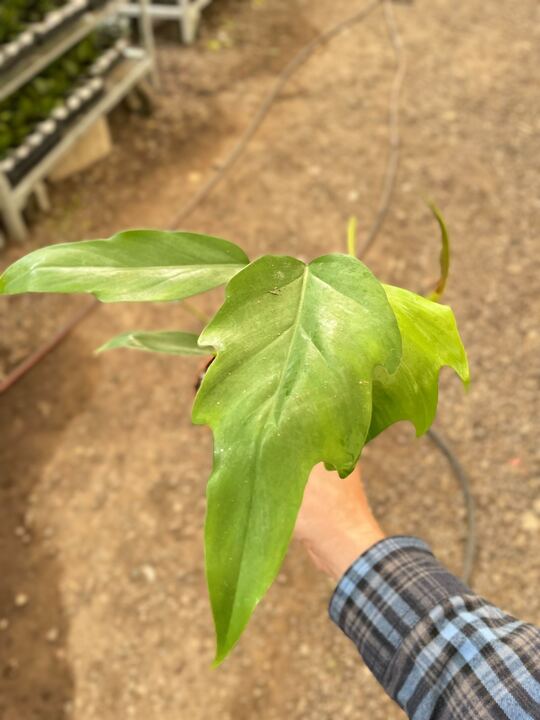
{"x": 335, "y": 523}
{"x": 439, "y": 650}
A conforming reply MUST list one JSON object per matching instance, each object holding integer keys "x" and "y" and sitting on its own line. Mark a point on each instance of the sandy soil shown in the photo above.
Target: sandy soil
{"x": 103, "y": 608}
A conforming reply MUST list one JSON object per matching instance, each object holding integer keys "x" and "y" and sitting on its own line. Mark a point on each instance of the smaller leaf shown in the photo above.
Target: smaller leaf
{"x": 444, "y": 256}
{"x": 165, "y": 341}
{"x": 430, "y": 341}
{"x": 134, "y": 266}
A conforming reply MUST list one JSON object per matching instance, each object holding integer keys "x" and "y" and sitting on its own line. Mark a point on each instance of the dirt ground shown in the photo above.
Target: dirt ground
{"x": 103, "y": 607}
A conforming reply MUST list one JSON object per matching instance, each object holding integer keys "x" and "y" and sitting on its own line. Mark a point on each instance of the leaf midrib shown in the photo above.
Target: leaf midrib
{"x": 160, "y": 273}
{"x": 294, "y": 327}
{"x": 132, "y": 268}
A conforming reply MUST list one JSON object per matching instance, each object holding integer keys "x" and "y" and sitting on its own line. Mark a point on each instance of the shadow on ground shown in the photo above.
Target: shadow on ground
{"x": 35, "y": 677}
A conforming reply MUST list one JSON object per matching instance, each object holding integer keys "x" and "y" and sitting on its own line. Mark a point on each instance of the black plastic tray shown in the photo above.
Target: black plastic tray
{"x": 23, "y": 167}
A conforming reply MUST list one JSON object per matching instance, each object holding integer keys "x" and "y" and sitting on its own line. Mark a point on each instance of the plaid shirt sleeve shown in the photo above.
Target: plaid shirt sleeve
{"x": 440, "y": 651}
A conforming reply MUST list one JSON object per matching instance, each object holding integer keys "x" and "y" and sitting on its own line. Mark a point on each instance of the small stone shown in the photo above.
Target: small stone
{"x": 514, "y": 268}
{"x": 52, "y": 635}
{"x": 21, "y": 599}
{"x": 4, "y": 624}
{"x": 530, "y": 522}
{"x": 149, "y": 573}
{"x": 44, "y": 408}
{"x": 12, "y": 666}
{"x": 352, "y": 195}
{"x": 304, "y": 650}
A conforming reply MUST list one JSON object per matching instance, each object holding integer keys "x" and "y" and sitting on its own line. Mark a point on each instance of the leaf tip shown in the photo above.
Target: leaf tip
{"x": 223, "y": 650}
{"x": 465, "y": 376}
{"x": 461, "y": 367}
{"x": 101, "y": 349}
{"x": 217, "y": 661}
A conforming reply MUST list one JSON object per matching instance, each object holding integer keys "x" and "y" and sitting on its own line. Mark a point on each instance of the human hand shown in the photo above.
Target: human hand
{"x": 335, "y": 522}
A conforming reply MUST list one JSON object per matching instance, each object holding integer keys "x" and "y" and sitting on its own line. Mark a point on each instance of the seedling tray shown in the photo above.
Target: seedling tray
{"x": 23, "y": 166}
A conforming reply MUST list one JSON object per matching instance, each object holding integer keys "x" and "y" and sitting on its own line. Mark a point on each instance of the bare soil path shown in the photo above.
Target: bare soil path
{"x": 103, "y": 608}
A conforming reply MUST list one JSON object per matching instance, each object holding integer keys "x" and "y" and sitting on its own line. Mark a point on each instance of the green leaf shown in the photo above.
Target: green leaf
{"x": 297, "y": 346}
{"x": 134, "y": 265}
{"x": 165, "y": 341}
{"x": 430, "y": 341}
{"x": 444, "y": 258}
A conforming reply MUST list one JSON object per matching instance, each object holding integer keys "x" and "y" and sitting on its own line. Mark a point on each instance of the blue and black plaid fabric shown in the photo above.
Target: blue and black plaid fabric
{"x": 438, "y": 649}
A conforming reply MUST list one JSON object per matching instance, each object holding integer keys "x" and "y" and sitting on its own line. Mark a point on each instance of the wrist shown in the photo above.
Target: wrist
{"x": 337, "y": 552}
{"x": 350, "y": 547}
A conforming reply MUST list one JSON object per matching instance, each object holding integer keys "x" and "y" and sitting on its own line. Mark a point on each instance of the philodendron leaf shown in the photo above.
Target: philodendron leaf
{"x": 430, "y": 341}
{"x": 134, "y": 265}
{"x": 297, "y": 346}
{"x": 165, "y": 341}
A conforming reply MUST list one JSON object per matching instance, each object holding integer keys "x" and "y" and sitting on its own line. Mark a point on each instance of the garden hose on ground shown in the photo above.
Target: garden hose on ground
{"x": 469, "y": 553}
{"x": 382, "y": 211}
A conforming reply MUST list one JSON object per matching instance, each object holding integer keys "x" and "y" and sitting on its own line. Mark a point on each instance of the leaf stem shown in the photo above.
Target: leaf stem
{"x": 194, "y": 310}
{"x": 352, "y": 233}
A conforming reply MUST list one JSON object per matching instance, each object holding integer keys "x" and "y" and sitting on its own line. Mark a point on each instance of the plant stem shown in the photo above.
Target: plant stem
{"x": 352, "y": 232}
{"x": 193, "y": 310}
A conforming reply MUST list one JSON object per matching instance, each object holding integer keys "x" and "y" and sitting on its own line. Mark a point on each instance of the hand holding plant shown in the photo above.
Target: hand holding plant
{"x": 335, "y": 522}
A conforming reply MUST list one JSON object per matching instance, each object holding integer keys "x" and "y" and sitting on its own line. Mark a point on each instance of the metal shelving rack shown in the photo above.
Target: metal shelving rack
{"x": 186, "y": 12}
{"x": 137, "y": 64}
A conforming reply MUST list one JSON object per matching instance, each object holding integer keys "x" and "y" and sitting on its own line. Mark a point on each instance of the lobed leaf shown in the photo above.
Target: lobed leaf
{"x": 135, "y": 265}
{"x": 430, "y": 341}
{"x": 297, "y": 346}
{"x": 164, "y": 341}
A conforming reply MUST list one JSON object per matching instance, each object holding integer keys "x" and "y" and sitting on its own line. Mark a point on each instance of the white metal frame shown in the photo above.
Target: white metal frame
{"x": 138, "y": 64}
{"x": 186, "y": 12}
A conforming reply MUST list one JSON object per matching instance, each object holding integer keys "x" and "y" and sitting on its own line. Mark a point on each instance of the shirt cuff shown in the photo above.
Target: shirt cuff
{"x": 385, "y": 593}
